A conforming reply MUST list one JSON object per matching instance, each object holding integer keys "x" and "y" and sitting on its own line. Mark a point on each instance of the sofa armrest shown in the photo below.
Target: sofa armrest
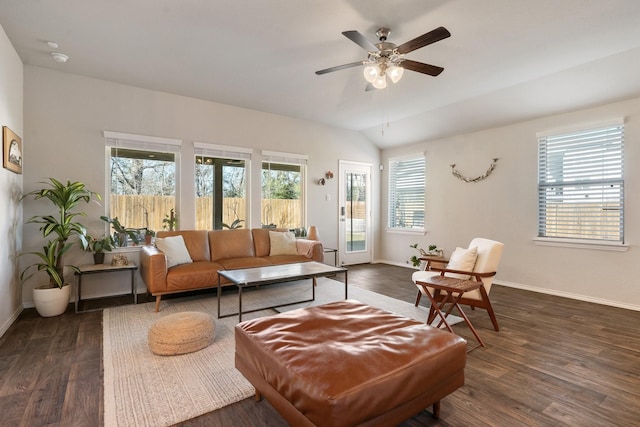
{"x": 153, "y": 269}
{"x": 311, "y": 249}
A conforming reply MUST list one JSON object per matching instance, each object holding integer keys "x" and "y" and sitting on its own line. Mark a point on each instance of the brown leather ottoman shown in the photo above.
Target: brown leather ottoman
{"x": 347, "y": 364}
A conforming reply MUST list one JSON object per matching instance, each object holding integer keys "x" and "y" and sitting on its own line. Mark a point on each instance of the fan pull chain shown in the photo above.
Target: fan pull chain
{"x": 385, "y": 112}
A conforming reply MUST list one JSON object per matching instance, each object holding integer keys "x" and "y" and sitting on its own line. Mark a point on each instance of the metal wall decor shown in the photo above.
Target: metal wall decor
{"x": 328, "y": 175}
{"x": 461, "y": 177}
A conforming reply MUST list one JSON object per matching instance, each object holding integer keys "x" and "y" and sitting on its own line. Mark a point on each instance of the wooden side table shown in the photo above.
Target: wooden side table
{"x": 335, "y": 255}
{"x": 103, "y": 268}
{"x": 454, "y": 289}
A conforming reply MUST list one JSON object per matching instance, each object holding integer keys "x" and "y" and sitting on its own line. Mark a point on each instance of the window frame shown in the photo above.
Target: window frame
{"x": 225, "y": 152}
{"x": 126, "y": 141}
{"x": 579, "y": 184}
{"x": 293, "y": 159}
{"x": 392, "y": 220}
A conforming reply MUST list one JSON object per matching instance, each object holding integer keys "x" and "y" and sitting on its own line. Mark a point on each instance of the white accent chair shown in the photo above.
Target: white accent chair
{"x": 489, "y": 253}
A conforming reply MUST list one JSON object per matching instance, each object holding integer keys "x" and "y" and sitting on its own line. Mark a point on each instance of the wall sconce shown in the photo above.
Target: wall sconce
{"x": 328, "y": 175}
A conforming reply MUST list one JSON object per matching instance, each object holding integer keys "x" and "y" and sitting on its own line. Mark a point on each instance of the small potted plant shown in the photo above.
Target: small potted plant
{"x": 122, "y": 232}
{"x": 98, "y": 245}
{"x": 431, "y": 250}
{"x": 148, "y": 236}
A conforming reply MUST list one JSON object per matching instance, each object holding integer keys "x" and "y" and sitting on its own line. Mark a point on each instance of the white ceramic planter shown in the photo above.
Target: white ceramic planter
{"x": 51, "y": 302}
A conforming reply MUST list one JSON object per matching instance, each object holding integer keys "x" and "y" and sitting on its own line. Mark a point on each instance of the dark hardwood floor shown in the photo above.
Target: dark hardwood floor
{"x": 555, "y": 362}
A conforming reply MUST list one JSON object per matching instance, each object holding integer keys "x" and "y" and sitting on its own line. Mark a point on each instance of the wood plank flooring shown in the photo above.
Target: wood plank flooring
{"x": 555, "y": 362}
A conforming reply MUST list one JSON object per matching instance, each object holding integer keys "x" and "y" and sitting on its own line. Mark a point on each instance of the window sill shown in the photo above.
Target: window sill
{"x": 121, "y": 249}
{"x": 580, "y": 244}
{"x": 406, "y": 231}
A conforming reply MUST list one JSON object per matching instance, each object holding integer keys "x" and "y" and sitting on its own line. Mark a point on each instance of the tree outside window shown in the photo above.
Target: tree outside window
{"x": 282, "y": 195}
{"x": 143, "y": 187}
{"x": 220, "y": 186}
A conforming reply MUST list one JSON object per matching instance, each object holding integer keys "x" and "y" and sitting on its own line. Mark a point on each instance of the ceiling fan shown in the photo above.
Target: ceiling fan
{"x": 387, "y": 59}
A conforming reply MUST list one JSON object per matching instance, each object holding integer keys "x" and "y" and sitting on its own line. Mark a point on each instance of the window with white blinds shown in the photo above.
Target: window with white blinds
{"x": 581, "y": 184}
{"x": 406, "y": 192}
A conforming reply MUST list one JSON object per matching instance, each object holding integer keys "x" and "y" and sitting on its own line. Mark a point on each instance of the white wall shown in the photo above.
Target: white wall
{"x": 11, "y": 101}
{"x": 504, "y": 207}
{"x": 65, "y": 116}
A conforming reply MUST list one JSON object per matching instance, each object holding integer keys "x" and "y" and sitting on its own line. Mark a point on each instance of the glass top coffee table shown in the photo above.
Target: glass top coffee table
{"x": 272, "y": 274}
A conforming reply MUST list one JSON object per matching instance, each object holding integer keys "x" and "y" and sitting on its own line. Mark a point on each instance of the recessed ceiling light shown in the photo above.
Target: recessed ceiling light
{"x": 59, "y": 57}
{"x": 52, "y": 45}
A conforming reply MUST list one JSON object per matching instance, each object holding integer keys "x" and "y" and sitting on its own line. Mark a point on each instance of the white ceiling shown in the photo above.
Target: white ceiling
{"x": 506, "y": 61}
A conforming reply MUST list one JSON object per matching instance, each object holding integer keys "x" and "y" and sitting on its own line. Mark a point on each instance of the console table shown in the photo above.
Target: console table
{"x": 102, "y": 269}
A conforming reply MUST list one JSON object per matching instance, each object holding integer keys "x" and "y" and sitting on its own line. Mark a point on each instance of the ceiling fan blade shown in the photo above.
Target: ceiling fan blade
{"x": 339, "y": 67}
{"x": 360, "y": 40}
{"x": 421, "y": 67}
{"x": 425, "y": 39}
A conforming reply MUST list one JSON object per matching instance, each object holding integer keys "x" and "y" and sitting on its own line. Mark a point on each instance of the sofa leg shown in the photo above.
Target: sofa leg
{"x": 158, "y": 302}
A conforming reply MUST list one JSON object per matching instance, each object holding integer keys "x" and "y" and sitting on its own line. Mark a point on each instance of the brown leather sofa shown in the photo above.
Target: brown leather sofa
{"x": 215, "y": 250}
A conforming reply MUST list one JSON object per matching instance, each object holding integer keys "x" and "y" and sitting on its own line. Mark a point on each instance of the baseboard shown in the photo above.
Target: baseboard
{"x": 397, "y": 264}
{"x": 569, "y": 295}
{"x": 10, "y": 320}
{"x": 554, "y": 292}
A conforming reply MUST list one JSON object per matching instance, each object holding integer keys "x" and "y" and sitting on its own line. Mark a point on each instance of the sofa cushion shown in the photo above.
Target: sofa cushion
{"x": 198, "y": 275}
{"x": 282, "y": 243}
{"x": 196, "y": 242}
{"x": 175, "y": 250}
{"x": 243, "y": 262}
{"x": 227, "y": 244}
{"x": 261, "y": 240}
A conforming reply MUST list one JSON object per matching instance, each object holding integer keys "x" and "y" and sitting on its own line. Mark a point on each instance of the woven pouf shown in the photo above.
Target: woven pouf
{"x": 181, "y": 333}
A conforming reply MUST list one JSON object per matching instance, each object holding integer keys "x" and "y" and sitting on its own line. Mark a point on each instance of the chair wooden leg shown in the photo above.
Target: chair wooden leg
{"x": 432, "y": 315}
{"x": 489, "y": 308}
{"x": 158, "y": 302}
{"x": 418, "y": 298}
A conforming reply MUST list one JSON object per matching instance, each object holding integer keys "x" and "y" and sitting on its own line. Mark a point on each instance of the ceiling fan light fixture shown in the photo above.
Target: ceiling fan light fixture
{"x": 395, "y": 73}
{"x": 380, "y": 82}
{"x": 371, "y": 73}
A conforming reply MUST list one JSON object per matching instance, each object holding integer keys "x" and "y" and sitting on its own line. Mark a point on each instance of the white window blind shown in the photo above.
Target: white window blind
{"x": 406, "y": 192}
{"x": 581, "y": 184}
{"x": 142, "y": 142}
{"x": 285, "y": 158}
{"x": 221, "y": 151}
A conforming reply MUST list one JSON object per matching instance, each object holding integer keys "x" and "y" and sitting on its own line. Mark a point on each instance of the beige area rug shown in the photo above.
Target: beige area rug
{"x": 142, "y": 389}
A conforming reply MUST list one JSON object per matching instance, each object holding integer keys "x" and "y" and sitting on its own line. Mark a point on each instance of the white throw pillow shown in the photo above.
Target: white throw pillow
{"x": 282, "y": 243}
{"x": 175, "y": 250}
{"x": 462, "y": 259}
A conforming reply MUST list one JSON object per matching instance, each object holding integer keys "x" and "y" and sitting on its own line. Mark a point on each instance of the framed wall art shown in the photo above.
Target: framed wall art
{"x": 12, "y": 144}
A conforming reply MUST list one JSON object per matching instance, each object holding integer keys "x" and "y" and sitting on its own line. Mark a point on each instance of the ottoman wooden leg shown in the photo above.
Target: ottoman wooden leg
{"x": 436, "y": 409}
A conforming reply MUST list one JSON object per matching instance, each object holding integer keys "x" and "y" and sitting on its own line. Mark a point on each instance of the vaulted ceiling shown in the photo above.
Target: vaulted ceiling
{"x": 506, "y": 60}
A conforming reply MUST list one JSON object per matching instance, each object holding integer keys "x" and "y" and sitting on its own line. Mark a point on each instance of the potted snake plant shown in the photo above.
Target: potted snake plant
{"x": 52, "y": 298}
